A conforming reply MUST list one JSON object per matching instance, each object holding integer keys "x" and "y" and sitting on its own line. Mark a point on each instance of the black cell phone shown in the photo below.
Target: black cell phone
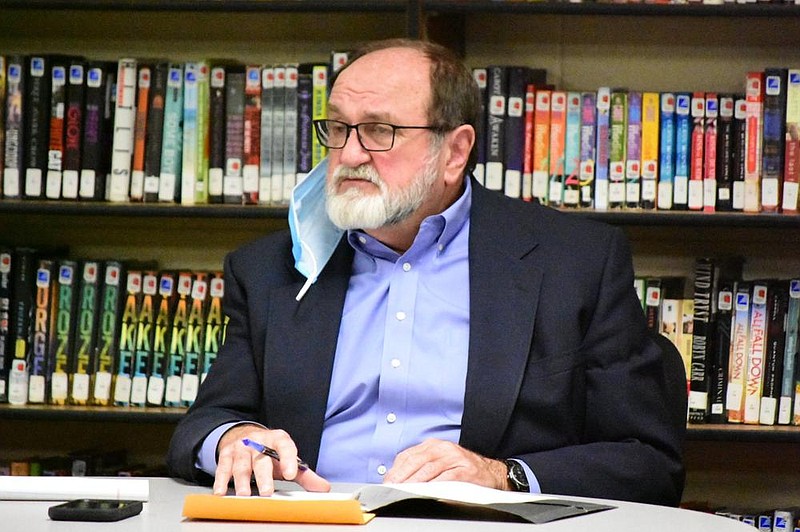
{"x": 94, "y": 510}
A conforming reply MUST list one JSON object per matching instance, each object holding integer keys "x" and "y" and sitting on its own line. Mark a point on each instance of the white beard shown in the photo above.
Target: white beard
{"x": 355, "y": 209}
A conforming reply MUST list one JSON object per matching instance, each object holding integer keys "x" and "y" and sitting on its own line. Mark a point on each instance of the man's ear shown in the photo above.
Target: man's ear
{"x": 459, "y": 144}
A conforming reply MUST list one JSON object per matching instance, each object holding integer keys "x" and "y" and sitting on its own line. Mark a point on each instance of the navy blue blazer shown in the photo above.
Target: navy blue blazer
{"x": 561, "y": 371}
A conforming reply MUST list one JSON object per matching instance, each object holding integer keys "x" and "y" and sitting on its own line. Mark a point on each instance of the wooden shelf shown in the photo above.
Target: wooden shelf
{"x": 212, "y": 5}
{"x": 97, "y": 414}
{"x": 141, "y": 210}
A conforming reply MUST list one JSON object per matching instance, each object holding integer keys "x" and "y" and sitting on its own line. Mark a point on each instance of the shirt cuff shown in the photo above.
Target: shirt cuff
{"x": 206, "y": 459}
{"x": 533, "y": 482}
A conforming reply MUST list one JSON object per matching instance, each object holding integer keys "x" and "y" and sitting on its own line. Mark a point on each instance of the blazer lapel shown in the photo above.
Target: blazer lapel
{"x": 504, "y": 295}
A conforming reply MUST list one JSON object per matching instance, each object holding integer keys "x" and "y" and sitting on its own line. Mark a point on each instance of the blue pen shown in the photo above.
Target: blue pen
{"x": 272, "y": 453}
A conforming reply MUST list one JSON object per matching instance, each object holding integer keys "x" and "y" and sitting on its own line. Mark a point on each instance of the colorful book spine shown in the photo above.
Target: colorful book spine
{"x": 754, "y": 95}
{"x": 601, "y": 182}
{"x": 195, "y": 329}
{"x": 38, "y": 366}
{"x": 666, "y": 176}
{"x": 774, "y": 347}
{"x": 6, "y": 343}
{"x": 480, "y": 76}
{"x": 514, "y": 135}
{"x": 616, "y": 154}
{"x": 156, "y": 373}
{"x": 203, "y": 138}
{"x": 773, "y": 138}
{"x": 191, "y": 132}
{"x": 650, "y": 145}
{"x": 740, "y": 346}
{"x": 140, "y": 132}
{"x": 305, "y": 130}
{"x": 683, "y": 142}
{"x": 107, "y": 333}
{"x": 755, "y": 357}
{"x": 124, "y": 124}
{"x": 710, "y": 153}
{"x": 216, "y": 138}
{"x": 739, "y": 152}
{"x": 61, "y": 354}
{"x": 572, "y": 151}
{"x": 290, "y": 134}
{"x": 145, "y": 329}
{"x": 497, "y": 91}
{"x": 541, "y": 146}
{"x": 588, "y": 152}
{"x": 790, "y": 354}
{"x": 265, "y": 161}
{"x": 86, "y": 324}
{"x": 251, "y": 146}
{"x": 725, "y": 147}
{"x": 791, "y": 168}
{"x": 22, "y": 302}
{"x": 14, "y": 162}
{"x": 98, "y": 113}
{"x": 55, "y": 151}
{"x": 696, "y": 159}
{"x": 633, "y": 151}
{"x": 527, "y": 156}
{"x": 172, "y": 138}
{"x": 702, "y": 338}
{"x": 558, "y": 130}
{"x": 214, "y": 324}
{"x": 3, "y": 89}
{"x": 37, "y": 122}
{"x": 127, "y": 338}
{"x": 278, "y": 132}
{"x": 319, "y": 108}
{"x": 73, "y": 130}
{"x": 177, "y": 341}
{"x": 234, "y": 135}
{"x": 155, "y": 130}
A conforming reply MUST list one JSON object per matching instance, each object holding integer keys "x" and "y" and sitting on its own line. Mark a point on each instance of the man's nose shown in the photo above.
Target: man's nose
{"x": 353, "y": 153}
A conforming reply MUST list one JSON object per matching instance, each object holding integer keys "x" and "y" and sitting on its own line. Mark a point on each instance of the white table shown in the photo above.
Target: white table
{"x": 163, "y": 514}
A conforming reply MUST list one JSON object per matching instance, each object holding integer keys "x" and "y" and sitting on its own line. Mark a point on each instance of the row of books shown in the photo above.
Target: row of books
{"x": 620, "y": 148}
{"x": 738, "y": 339}
{"x": 80, "y": 463}
{"x": 157, "y": 130}
{"x": 782, "y": 519}
{"x": 105, "y": 332}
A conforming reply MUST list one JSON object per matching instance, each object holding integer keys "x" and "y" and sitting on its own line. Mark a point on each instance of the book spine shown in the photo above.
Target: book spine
{"x": 73, "y": 130}
{"x": 6, "y": 344}
{"x": 541, "y": 145}
{"x": 55, "y": 151}
{"x": 572, "y": 151}
{"x": 773, "y": 138}
{"x": 514, "y": 134}
{"x": 558, "y": 129}
{"x": 155, "y": 131}
{"x": 251, "y": 148}
{"x": 94, "y": 157}
{"x": 61, "y": 354}
{"x": 601, "y": 182}
{"x": 666, "y": 175}
{"x": 22, "y": 310}
{"x": 37, "y": 108}
{"x": 156, "y": 380}
{"x": 214, "y": 323}
{"x": 755, "y": 358}
{"x": 739, "y": 152}
{"x": 480, "y": 76}
{"x": 789, "y": 354}
{"x": 169, "y": 178}
{"x": 203, "y": 134}
{"x": 775, "y": 345}
{"x": 278, "y": 132}
{"x": 616, "y": 154}
{"x": 710, "y": 152}
{"x": 725, "y": 143}
{"x": 107, "y": 334}
{"x": 177, "y": 341}
{"x": 290, "y": 134}
{"x": 38, "y": 367}
{"x": 140, "y": 132}
{"x": 124, "y": 123}
{"x": 305, "y": 130}
{"x": 14, "y": 149}
{"x": 683, "y": 142}
{"x": 652, "y": 302}
{"x": 195, "y": 329}
{"x": 721, "y": 349}
{"x": 145, "y": 329}
{"x": 633, "y": 150}
{"x": 650, "y": 130}
{"x": 588, "y": 153}
{"x": 216, "y": 145}
{"x": 86, "y": 324}
{"x": 265, "y": 160}
{"x": 527, "y": 156}
{"x": 319, "y": 111}
{"x": 754, "y": 95}
{"x": 3, "y": 89}
{"x": 191, "y": 132}
{"x": 740, "y": 345}
{"x": 702, "y": 336}
{"x": 696, "y": 152}
{"x": 127, "y": 338}
{"x": 497, "y": 91}
{"x": 234, "y": 135}
{"x": 791, "y": 168}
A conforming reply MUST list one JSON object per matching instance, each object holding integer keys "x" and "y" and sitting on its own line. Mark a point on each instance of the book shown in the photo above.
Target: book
{"x": 481, "y": 76}
{"x": 710, "y": 152}
{"x": 754, "y": 377}
{"x": 696, "y": 156}
{"x": 558, "y": 130}
{"x": 73, "y": 129}
{"x": 14, "y": 133}
{"x": 496, "y": 94}
{"x": 773, "y": 138}
{"x": 683, "y": 140}
{"x": 541, "y": 146}
{"x": 774, "y": 350}
{"x": 107, "y": 343}
{"x": 357, "y": 507}
{"x": 265, "y": 158}
{"x": 650, "y": 146}
{"x": 216, "y": 133}
{"x": 145, "y": 330}
{"x": 278, "y": 132}
{"x": 572, "y": 150}
{"x": 319, "y": 106}
{"x": 37, "y": 124}
{"x": 177, "y": 341}
{"x": 154, "y": 130}
{"x": 526, "y": 192}
{"x": 86, "y": 324}
{"x": 60, "y": 351}
{"x": 22, "y": 311}
{"x": 740, "y": 346}
{"x": 618, "y": 143}
{"x": 215, "y": 322}
{"x": 3, "y": 84}
{"x": 633, "y": 150}
{"x": 725, "y": 149}
{"x": 118, "y": 189}
{"x": 666, "y": 174}
{"x": 232, "y": 184}
{"x": 754, "y": 96}
{"x": 98, "y": 113}
{"x": 39, "y": 369}
{"x": 514, "y": 134}
{"x": 790, "y": 354}
{"x": 588, "y": 151}
{"x": 156, "y": 373}
{"x": 195, "y": 330}
{"x": 289, "y": 179}
{"x": 6, "y": 343}
{"x": 129, "y": 323}
{"x": 601, "y": 166}
{"x": 791, "y": 168}
{"x": 169, "y": 177}
{"x": 140, "y": 131}
{"x": 305, "y": 129}
{"x": 190, "y": 156}
{"x": 739, "y": 152}
{"x": 55, "y": 148}
{"x": 721, "y": 346}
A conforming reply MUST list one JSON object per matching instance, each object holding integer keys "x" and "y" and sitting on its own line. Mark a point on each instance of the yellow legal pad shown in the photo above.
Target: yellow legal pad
{"x": 345, "y": 511}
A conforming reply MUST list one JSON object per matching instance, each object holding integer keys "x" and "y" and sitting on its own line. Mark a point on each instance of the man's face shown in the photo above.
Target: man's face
{"x": 369, "y": 190}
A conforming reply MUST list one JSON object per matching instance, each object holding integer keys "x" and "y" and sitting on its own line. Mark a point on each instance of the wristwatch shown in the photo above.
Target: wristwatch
{"x": 516, "y": 476}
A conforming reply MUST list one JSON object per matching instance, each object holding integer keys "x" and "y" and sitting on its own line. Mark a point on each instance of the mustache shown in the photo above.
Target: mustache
{"x": 366, "y": 172}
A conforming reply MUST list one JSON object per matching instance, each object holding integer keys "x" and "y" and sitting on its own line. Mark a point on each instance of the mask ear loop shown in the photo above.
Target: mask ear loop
{"x": 311, "y": 278}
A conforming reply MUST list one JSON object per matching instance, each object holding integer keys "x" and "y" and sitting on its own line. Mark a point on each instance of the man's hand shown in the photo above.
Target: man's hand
{"x": 434, "y": 460}
{"x": 236, "y": 460}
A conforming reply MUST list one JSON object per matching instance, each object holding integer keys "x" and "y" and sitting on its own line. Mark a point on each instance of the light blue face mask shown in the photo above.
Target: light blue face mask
{"x": 314, "y": 237}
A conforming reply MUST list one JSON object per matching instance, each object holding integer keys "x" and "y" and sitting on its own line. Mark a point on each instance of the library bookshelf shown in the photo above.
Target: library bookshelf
{"x": 582, "y": 45}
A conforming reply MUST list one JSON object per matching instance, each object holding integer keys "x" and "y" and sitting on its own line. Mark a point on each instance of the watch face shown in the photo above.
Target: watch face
{"x": 516, "y": 476}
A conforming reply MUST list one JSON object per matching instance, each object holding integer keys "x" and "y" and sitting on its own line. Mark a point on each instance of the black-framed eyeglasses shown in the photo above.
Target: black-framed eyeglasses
{"x": 373, "y": 136}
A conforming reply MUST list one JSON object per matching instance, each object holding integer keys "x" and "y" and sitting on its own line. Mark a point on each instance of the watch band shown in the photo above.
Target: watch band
{"x": 516, "y": 476}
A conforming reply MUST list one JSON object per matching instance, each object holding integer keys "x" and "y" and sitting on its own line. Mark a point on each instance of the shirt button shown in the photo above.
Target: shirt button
{"x": 400, "y": 316}
{"x": 395, "y": 362}
{"x": 441, "y": 247}
{"x": 362, "y": 239}
{"x": 391, "y": 418}
{"x": 406, "y": 266}
{"x": 381, "y": 469}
